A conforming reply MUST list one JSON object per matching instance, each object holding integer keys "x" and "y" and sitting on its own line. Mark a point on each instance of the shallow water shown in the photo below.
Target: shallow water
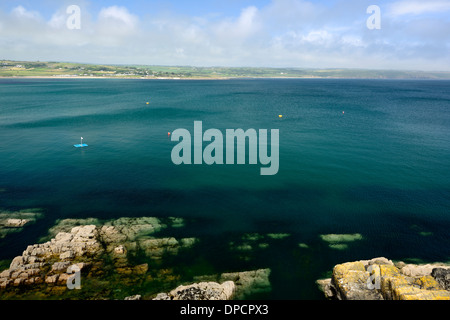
{"x": 356, "y": 156}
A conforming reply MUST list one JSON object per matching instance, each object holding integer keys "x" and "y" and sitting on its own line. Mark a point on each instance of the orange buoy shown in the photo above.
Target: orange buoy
{"x": 168, "y": 133}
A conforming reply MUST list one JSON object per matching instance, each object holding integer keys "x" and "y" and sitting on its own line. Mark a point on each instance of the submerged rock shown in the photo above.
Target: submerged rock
{"x": 233, "y": 285}
{"x": 66, "y": 225}
{"x": 248, "y": 283}
{"x": 129, "y": 229}
{"x": 337, "y": 238}
{"x": 340, "y": 241}
{"x": 11, "y": 222}
{"x": 381, "y": 279}
{"x": 116, "y": 255}
{"x": 16, "y": 223}
{"x": 106, "y": 248}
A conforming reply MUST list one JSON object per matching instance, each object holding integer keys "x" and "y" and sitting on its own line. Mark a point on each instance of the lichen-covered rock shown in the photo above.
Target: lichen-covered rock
{"x": 379, "y": 279}
{"x": 350, "y": 280}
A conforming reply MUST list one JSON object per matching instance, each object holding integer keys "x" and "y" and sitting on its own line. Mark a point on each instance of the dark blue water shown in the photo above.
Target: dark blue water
{"x": 356, "y": 156}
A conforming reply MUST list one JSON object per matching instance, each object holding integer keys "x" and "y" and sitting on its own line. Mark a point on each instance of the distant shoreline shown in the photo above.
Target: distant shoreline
{"x": 162, "y": 78}
{"x": 214, "y": 78}
{"x": 69, "y": 70}
{"x": 118, "y": 78}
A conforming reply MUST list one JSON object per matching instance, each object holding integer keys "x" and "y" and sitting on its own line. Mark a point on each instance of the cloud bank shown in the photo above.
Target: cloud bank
{"x": 280, "y": 33}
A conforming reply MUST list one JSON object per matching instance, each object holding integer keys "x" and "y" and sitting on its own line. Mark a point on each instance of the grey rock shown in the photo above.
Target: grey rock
{"x": 120, "y": 250}
{"x": 326, "y": 286}
{"x": 64, "y": 237}
{"x": 135, "y": 297}
{"x": 5, "y": 274}
{"x": 16, "y": 223}
{"x": 202, "y": 291}
{"x": 419, "y": 270}
{"x": 60, "y": 266}
{"x": 442, "y": 276}
{"x": 52, "y": 279}
{"x": 67, "y": 255}
{"x": 16, "y": 262}
{"x": 162, "y": 296}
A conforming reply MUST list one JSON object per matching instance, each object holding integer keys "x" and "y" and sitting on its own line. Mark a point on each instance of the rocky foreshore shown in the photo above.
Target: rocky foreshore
{"x": 126, "y": 258}
{"x": 382, "y": 279}
{"x": 105, "y": 253}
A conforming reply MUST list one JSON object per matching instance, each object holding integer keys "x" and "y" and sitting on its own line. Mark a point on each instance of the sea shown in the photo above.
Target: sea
{"x": 356, "y": 157}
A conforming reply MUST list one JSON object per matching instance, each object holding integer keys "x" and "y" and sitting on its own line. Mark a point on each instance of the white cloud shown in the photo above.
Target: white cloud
{"x": 239, "y": 29}
{"x": 21, "y": 12}
{"x": 318, "y": 37}
{"x": 58, "y": 20}
{"x": 114, "y": 27}
{"x": 352, "y": 40}
{"x": 115, "y": 14}
{"x": 246, "y": 21}
{"x": 416, "y": 7}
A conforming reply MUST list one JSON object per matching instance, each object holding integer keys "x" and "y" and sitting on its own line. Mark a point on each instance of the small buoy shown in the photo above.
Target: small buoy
{"x": 168, "y": 133}
{"x": 280, "y": 116}
{"x": 343, "y": 112}
{"x": 148, "y": 102}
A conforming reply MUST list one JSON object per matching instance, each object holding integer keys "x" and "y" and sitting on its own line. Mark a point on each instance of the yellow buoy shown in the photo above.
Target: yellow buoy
{"x": 280, "y": 116}
{"x": 148, "y": 102}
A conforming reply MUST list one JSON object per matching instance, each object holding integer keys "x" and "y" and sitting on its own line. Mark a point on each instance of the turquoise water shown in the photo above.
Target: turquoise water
{"x": 356, "y": 156}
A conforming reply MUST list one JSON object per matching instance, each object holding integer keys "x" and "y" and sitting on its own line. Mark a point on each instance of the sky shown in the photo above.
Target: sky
{"x": 411, "y": 34}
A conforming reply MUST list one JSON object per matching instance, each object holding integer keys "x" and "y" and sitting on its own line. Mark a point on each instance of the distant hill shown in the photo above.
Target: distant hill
{"x": 9, "y": 68}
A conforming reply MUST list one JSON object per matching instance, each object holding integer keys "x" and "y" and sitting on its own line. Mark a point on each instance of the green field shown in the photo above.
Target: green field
{"x": 9, "y": 68}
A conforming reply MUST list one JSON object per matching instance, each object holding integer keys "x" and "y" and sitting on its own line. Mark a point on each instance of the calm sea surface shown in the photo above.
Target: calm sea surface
{"x": 356, "y": 156}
